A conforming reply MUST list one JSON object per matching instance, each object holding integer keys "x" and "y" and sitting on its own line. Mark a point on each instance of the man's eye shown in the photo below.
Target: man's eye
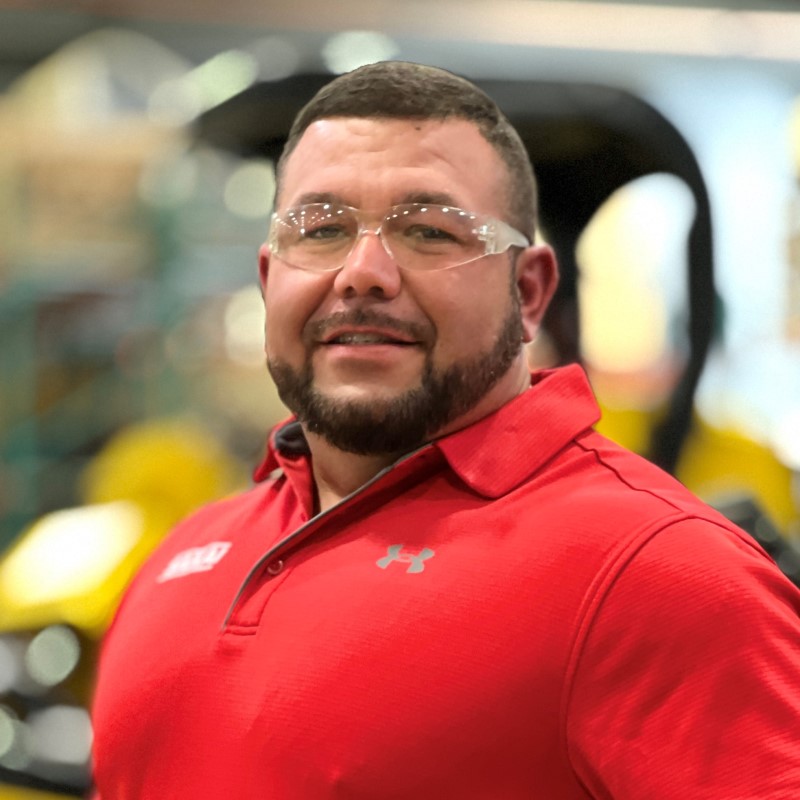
{"x": 428, "y": 233}
{"x": 321, "y": 233}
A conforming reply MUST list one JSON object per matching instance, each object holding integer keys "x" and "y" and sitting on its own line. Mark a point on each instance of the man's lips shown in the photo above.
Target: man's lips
{"x": 366, "y": 327}
{"x": 367, "y": 337}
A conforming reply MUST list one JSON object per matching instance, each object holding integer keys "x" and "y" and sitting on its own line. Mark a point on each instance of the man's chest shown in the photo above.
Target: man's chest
{"x": 423, "y": 633}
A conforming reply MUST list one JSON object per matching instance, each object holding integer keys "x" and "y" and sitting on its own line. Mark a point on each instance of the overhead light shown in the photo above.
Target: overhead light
{"x": 275, "y": 56}
{"x": 249, "y": 189}
{"x": 179, "y": 100}
{"x": 352, "y": 49}
{"x": 224, "y": 75}
{"x": 174, "y": 102}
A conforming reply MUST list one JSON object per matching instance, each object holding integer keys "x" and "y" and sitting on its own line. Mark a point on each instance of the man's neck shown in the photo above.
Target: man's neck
{"x": 337, "y": 473}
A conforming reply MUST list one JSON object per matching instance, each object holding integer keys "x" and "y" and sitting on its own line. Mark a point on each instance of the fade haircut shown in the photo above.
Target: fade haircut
{"x": 402, "y": 90}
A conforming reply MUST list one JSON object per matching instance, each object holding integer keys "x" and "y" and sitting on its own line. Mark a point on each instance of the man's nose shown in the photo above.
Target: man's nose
{"x": 368, "y": 269}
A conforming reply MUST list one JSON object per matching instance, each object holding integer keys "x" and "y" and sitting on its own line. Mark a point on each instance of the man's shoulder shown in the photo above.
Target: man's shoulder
{"x": 600, "y": 500}
{"x": 594, "y": 473}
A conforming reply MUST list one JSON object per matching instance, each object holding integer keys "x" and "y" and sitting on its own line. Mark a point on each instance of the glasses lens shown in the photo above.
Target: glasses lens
{"x": 320, "y": 236}
{"x": 316, "y": 237}
{"x": 427, "y": 237}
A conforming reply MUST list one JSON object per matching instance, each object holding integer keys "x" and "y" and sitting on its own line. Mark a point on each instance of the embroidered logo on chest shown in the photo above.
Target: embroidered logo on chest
{"x": 195, "y": 559}
{"x": 395, "y": 553}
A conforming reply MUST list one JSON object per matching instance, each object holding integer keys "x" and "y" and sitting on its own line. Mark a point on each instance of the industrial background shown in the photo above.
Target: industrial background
{"x": 137, "y": 149}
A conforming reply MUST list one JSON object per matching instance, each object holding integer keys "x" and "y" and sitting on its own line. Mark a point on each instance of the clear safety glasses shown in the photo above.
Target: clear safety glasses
{"x": 320, "y": 236}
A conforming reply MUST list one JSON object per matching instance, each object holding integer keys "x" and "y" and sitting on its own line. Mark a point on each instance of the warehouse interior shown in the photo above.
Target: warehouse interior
{"x": 137, "y": 150}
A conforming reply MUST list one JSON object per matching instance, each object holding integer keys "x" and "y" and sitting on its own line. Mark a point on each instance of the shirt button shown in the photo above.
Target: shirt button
{"x": 275, "y": 567}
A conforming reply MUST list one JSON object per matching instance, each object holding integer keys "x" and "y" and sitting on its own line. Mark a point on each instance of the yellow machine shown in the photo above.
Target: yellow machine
{"x": 61, "y": 582}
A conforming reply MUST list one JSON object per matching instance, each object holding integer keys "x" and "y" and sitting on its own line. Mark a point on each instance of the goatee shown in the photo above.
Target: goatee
{"x": 402, "y": 423}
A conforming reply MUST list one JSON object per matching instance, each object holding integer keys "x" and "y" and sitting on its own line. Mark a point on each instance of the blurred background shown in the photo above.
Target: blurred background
{"x": 137, "y": 149}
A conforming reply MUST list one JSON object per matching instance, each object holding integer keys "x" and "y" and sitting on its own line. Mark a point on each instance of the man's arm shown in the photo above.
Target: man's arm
{"x": 687, "y": 681}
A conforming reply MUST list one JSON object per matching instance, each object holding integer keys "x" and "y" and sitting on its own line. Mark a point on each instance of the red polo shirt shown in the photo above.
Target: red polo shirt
{"x": 519, "y": 610}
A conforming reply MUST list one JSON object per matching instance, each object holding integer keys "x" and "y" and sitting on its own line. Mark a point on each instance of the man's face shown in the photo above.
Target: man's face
{"x": 374, "y": 358}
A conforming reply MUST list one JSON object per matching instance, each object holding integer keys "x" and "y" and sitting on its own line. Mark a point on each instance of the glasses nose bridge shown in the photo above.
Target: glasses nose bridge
{"x": 376, "y": 229}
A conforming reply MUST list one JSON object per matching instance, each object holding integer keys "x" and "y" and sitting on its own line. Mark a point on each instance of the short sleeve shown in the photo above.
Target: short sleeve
{"x": 686, "y": 682}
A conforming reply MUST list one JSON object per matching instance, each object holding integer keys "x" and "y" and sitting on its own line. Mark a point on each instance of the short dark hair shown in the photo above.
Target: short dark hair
{"x": 403, "y": 90}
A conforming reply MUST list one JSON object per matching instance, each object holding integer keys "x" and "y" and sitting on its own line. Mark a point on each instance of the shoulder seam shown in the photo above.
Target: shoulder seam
{"x": 602, "y": 462}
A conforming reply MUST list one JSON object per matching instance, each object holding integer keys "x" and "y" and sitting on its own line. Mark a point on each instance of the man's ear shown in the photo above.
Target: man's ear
{"x": 263, "y": 266}
{"x": 537, "y": 278}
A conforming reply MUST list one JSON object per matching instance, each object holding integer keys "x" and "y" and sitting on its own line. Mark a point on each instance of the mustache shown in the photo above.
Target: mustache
{"x": 364, "y": 317}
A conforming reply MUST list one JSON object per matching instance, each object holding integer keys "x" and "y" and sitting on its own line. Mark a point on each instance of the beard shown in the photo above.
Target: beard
{"x": 401, "y": 423}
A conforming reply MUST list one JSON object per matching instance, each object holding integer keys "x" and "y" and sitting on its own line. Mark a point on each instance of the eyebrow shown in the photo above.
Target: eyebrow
{"x": 319, "y": 197}
{"x": 434, "y": 198}
{"x": 416, "y": 196}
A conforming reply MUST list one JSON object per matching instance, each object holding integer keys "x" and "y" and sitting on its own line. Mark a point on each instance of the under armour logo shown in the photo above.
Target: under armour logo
{"x": 414, "y": 560}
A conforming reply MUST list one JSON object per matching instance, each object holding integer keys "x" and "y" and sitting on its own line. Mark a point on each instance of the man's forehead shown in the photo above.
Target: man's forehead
{"x": 368, "y": 131}
{"x": 443, "y": 161}
{"x": 405, "y": 196}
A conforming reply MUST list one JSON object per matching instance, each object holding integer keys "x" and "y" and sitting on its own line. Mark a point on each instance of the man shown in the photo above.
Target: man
{"x": 445, "y": 584}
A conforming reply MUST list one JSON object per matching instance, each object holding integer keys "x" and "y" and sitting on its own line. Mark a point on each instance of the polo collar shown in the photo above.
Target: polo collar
{"x": 286, "y": 443}
{"x": 500, "y": 451}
